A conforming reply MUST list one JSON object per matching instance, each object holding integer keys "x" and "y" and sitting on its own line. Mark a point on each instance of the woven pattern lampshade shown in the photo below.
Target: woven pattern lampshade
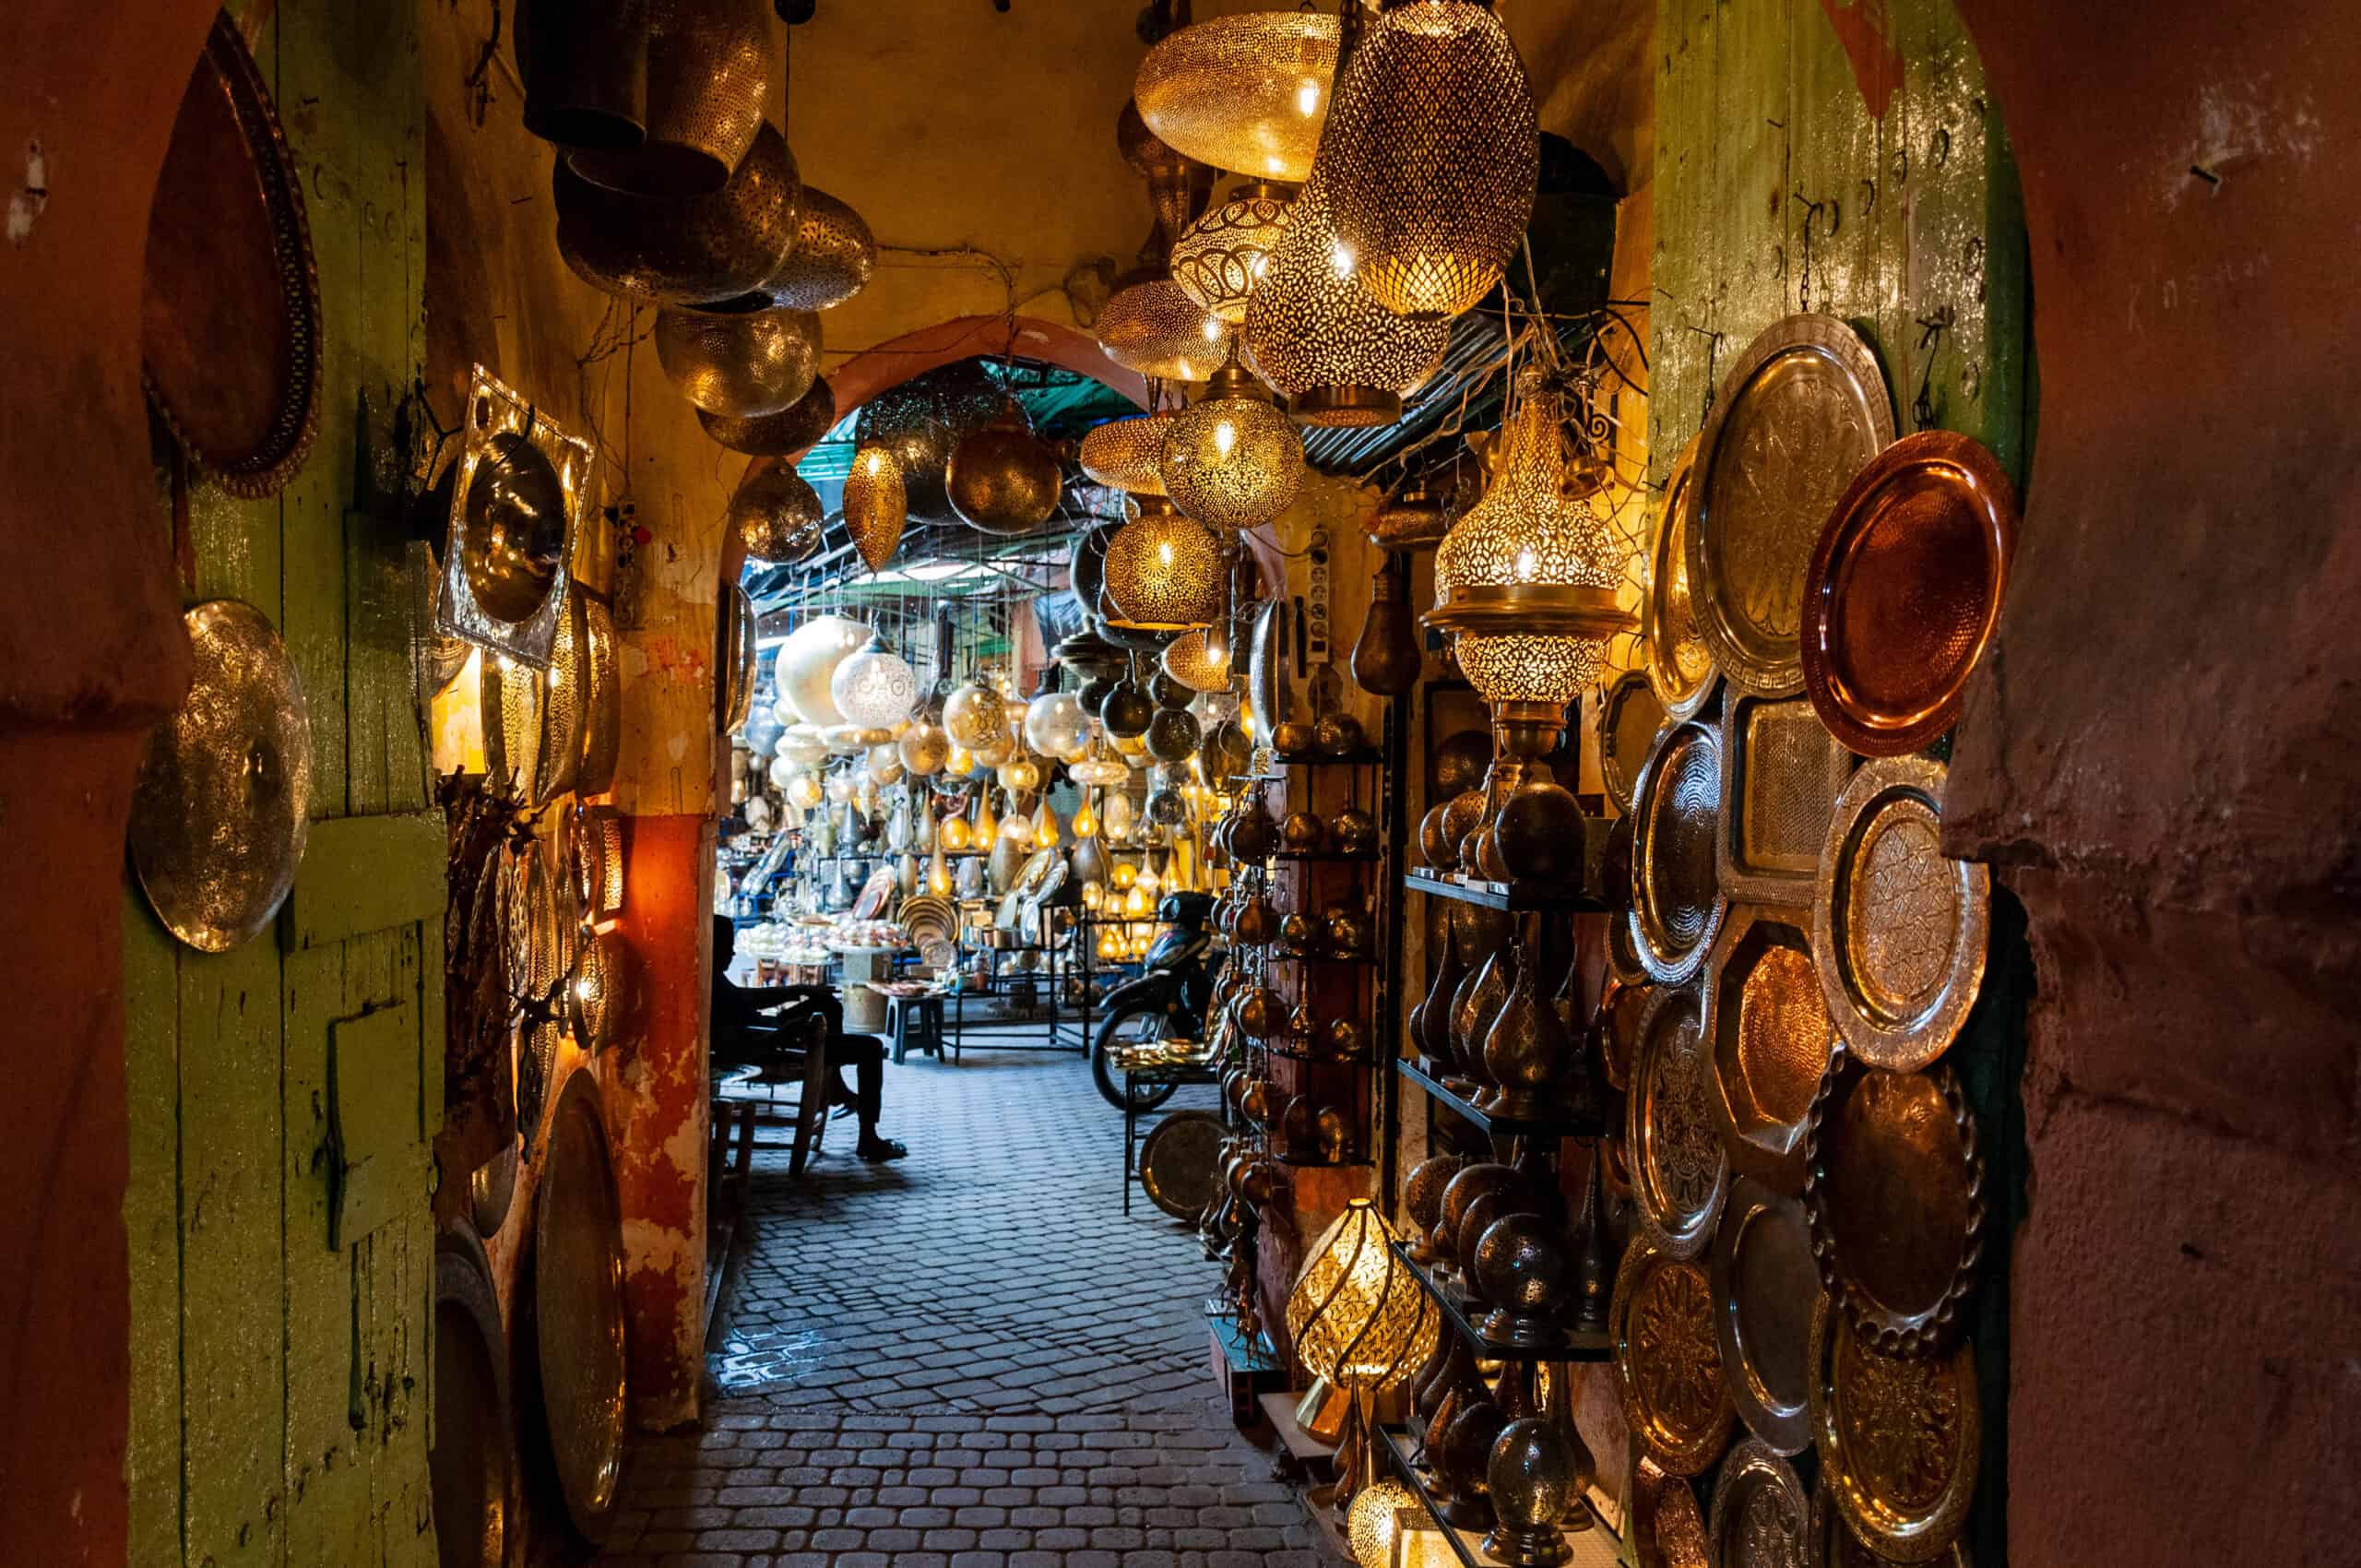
{"x": 1219, "y": 258}
{"x": 1233, "y": 460}
{"x": 1431, "y": 156}
{"x": 877, "y": 506}
{"x": 1128, "y": 454}
{"x": 1356, "y": 1315}
{"x": 776, "y": 514}
{"x": 1246, "y": 92}
{"x": 1155, "y": 330}
{"x": 1164, "y": 571}
{"x": 1314, "y": 335}
{"x": 1540, "y": 669}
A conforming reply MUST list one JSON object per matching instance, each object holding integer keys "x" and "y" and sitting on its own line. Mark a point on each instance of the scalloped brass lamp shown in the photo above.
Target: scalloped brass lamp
{"x": 1220, "y": 258}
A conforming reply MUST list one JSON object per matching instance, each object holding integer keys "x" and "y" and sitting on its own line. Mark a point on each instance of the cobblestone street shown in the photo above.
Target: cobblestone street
{"x": 969, "y": 1358}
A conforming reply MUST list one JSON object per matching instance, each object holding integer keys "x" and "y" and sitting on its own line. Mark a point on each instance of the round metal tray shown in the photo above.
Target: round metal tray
{"x": 1667, "y": 1367}
{"x": 1676, "y": 902}
{"x": 578, "y": 1309}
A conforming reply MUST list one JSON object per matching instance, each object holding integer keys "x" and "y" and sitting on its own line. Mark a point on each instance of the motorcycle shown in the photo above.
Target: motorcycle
{"x": 1168, "y": 1000}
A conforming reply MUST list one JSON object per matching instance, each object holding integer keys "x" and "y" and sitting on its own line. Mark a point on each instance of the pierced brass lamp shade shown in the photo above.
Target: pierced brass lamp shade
{"x": 1356, "y": 1315}
{"x": 1003, "y": 480}
{"x": 781, "y": 435}
{"x": 1155, "y": 330}
{"x": 739, "y": 366}
{"x": 1128, "y": 454}
{"x": 834, "y": 255}
{"x": 1194, "y": 661}
{"x": 1431, "y": 157}
{"x": 1311, "y": 332}
{"x": 1219, "y": 258}
{"x": 876, "y": 504}
{"x": 1164, "y": 571}
{"x": 1247, "y": 93}
{"x": 776, "y": 513}
{"x": 921, "y": 421}
{"x": 1233, "y": 460}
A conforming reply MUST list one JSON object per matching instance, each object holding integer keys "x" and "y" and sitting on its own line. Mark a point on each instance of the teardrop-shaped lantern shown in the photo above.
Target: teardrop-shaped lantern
{"x": 876, "y": 504}
{"x": 1385, "y": 657}
{"x": 1342, "y": 359}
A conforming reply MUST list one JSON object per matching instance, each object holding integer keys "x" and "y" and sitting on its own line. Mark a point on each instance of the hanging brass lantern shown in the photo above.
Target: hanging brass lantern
{"x": 1247, "y": 93}
{"x": 1003, "y": 480}
{"x": 712, "y": 69}
{"x": 921, "y": 421}
{"x": 1164, "y": 571}
{"x": 744, "y": 365}
{"x": 1153, "y": 329}
{"x": 877, "y": 506}
{"x": 1220, "y": 258}
{"x": 1198, "y": 661}
{"x": 1342, "y": 359}
{"x": 782, "y": 434}
{"x": 1233, "y": 460}
{"x": 1128, "y": 454}
{"x": 834, "y": 255}
{"x": 1431, "y": 156}
{"x": 777, "y": 515}
{"x": 1415, "y": 518}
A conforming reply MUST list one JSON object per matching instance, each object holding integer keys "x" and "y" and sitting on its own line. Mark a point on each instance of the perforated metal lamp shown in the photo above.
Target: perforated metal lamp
{"x": 1165, "y": 571}
{"x": 1232, "y": 459}
{"x": 876, "y": 504}
{"x": 1128, "y": 454}
{"x": 1247, "y": 93}
{"x": 1356, "y": 1315}
{"x": 1152, "y": 328}
{"x": 1219, "y": 259}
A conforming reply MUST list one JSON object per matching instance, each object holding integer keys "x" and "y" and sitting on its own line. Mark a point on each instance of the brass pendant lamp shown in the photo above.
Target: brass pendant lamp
{"x": 876, "y": 504}
{"x": 1248, "y": 92}
{"x": 1220, "y": 258}
{"x": 775, "y": 513}
{"x": 1165, "y": 571}
{"x": 1233, "y": 460}
{"x": 1151, "y": 326}
{"x": 1128, "y": 454}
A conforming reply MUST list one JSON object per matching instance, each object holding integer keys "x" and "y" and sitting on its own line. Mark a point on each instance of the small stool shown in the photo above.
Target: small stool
{"x": 926, "y": 1035}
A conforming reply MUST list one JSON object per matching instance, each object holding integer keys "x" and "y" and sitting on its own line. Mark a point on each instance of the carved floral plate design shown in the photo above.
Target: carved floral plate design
{"x": 1668, "y": 1366}
{"x": 1899, "y": 1440}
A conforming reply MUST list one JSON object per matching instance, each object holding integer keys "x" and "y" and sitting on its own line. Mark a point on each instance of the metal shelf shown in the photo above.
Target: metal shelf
{"x": 1594, "y": 1547}
{"x": 1516, "y": 896}
{"x": 1498, "y": 1126}
{"x": 1568, "y": 1347}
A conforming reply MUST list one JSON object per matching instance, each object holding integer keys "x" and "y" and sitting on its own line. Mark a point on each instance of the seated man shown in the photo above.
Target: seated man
{"x": 742, "y": 1031}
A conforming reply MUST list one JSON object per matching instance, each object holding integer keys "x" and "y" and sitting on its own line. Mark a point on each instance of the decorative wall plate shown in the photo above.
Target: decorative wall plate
{"x": 927, "y": 918}
{"x": 578, "y": 1309}
{"x": 871, "y": 903}
{"x": 602, "y": 701}
{"x": 1765, "y": 1287}
{"x": 1667, "y": 1369}
{"x": 1894, "y": 1190}
{"x": 516, "y": 499}
{"x": 1762, "y": 1518}
{"x": 1768, "y": 1039}
{"x": 565, "y": 697}
{"x": 1899, "y": 1440}
{"x": 1630, "y": 718}
{"x": 1900, "y": 931}
{"x": 1680, "y": 1170}
{"x": 1781, "y": 774}
{"x": 1622, "y": 1010}
{"x": 1904, "y": 591}
{"x": 221, "y": 810}
{"x": 1180, "y": 1163}
{"x": 1668, "y": 1530}
{"x": 1680, "y": 667}
{"x": 469, "y": 1464}
{"x": 1676, "y": 901}
{"x": 1838, "y": 1547}
{"x": 1801, "y": 412}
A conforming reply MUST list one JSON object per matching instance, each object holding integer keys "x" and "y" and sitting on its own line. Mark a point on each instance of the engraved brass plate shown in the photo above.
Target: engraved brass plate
{"x": 1765, "y": 1287}
{"x": 1668, "y": 1530}
{"x": 1900, "y": 931}
{"x": 1781, "y": 774}
{"x": 578, "y": 1309}
{"x": 1838, "y": 1547}
{"x": 1802, "y": 411}
{"x": 1180, "y": 1163}
{"x": 1762, "y": 1518}
{"x": 1680, "y": 1169}
{"x": 1899, "y": 1441}
{"x": 1630, "y": 718}
{"x": 1768, "y": 1038}
{"x": 1677, "y": 900}
{"x": 1667, "y": 1367}
{"x": 1680, "y": 667}
{"x": 515, "y": 500}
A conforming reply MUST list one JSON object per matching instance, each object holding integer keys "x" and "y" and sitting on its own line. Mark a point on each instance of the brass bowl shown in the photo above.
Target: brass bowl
{"x": 1303, "y": 833}
{"x": 1294, "y": 738}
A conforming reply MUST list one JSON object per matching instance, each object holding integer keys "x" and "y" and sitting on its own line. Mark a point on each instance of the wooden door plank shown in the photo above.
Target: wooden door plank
{"x": 151, "y": 1216}
{"x": 367, "y": 873}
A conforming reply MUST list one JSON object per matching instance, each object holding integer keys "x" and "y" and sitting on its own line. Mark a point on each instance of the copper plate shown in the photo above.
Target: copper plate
{"x": 1898, "y": 931}
{"x": 578, "y": 1309}
{"x": 1765, "y": 1285}
{"x": 1768, "y": 1038}
{"x": 229, "y": 316}
{"x": 1666, "y": 1529}
{"x": 1801, "y": 412}
{"x": 1180, "y": 1163}
{"x": 1904, "y": 589}
{"x": 222, "y": 806}
{"x": 1676, "y": 902}
{"x": 469, "y": 1468}
{"x": 1781, "y": 774}
{"x": 1680, "y": 667}
{"x": 1894, "y": 1188}
{"x": 1679, "y": 1168}
{"x": 1630, "y": 718}
{"x": 1667, "y": 1369}
{"x": 1837, "y": 1547}
{"x": 1762, "y": 1518}
{"x": 1899, "y": 1440}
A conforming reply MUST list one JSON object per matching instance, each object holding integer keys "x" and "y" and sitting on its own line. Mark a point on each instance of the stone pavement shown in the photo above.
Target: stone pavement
{"x": 969, "y": 1358}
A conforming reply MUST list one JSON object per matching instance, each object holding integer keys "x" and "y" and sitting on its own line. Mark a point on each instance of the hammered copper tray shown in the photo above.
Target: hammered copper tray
{"x": 1899, "y": 1438}
{"x": 578, "y": 1309}
{"x": 1760, "y": 1518}
{"x": 1666, "y": 1529}
{"x": 1768, "y": 1038}
{"x": 469, "y": 1472}
{"x": 1900, "y": 931}
{"x": 1680, "y": 667}
{"x": 229, "y": 316}
{"x": 1894, "y": 1189}
{"x": 1765, "y": 1288}
{"x": 1180, "y": 1163}
{"x": 1781, "y": 774}
{"x": 1680, "y": 1170}
{"x": 1677, "y": 900}
{"x": 1801, "y": 412}
{"x": 1629, "y": 721}
{"x": 1667, "y": 1367}
{"x": 1904, "y": 589}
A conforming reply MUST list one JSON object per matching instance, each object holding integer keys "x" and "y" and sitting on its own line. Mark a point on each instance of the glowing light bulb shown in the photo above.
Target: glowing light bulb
{"x": 1225, "y": 438}
{"x": 1045, "y": 825}
{"x": 1093, "y": 896}
{"x": 1212, "y": 329}
{"x": 1307, "y": 99}
{"x": 1085, "y": 821}
{"x": 1342, "y": 259}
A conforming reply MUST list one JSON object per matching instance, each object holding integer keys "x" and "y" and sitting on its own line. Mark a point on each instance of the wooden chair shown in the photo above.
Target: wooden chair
{"x": 793, "y": 1057}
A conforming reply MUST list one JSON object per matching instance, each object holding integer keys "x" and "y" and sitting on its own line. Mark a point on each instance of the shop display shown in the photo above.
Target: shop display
{"x": 1781, "y": 774}
{"x": 1677, "y": 900}
{"x": 1680, "y": 1169}
{"x": 1768, "y": 1039}
{"x": 1899, "y": 1439}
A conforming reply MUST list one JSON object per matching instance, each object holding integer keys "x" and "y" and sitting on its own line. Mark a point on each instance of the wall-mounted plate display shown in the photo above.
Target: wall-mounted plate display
{"x": 1667, "y": 1529}
{"x": 1781, "y": 774}
{"x": 1680, "y": 667}
{"x": 1768, "y": 1038}
{"x": 1630, "y": 718}
{"x": 578, "y": 1309}
{"x": 1681, "y": 1170}
{"x": 1676, "y": 898}
{"x": 1667, "y": 1367}
{"x": 1760, "y": 1518}
{"x": 1765, "y": 1290}
{"x": 1899, "y": 1440}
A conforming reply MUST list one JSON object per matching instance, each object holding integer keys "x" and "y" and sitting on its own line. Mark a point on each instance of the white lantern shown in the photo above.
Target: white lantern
{"x": 803, "y": 745}
{"x": 874, "y": 688}
{"x": 1055, "y": 725}
{"x": 785, "y": 771}
{"x": 808, "y": 661}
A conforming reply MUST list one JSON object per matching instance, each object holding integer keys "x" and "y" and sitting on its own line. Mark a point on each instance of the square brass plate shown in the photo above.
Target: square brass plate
{"x": 1781, "y": 774}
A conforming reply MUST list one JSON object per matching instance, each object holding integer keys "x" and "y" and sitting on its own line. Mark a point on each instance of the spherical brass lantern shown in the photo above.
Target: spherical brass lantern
{"x": 781, "y": 435}
{"x": 1164, "y": 570}
{"x": 1431, "y": 158}
{"x": 1340, "y": 357}
{"x": 777, "y": 515}
{"x": 1193, "y": 661}
{"x": 741, "y": 366}
{"x": 1220, "y": 258}
{"x": 921, "y": 422}
{"x": 1153, "y": 329}
{"x": 1128, "y": 454}
{"x": 1247, "y": 93}
{"x": 876, "y": 504}
{"x": 1003, "y": 480}
{"x": 1233, "y": 460}
{"x": 834, "y": 255}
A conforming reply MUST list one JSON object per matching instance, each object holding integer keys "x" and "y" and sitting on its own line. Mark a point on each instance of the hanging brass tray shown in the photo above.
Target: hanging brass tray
{"x": 1768, "y": 1039}
{"x": 1899, "y": 1440}
{"x": 578, "y": 1309}
{"x": 469, "y": 1470}
{"x": 1765, "y": 1285}
{"x": 516, "y": 497}
{"x": 1781, "y": 774}
{"x": 1904, "y": 589}
{"x": 1680, "y": 667}
{"x": 1666, "y": 1529}
{"x": 1680, "y": 1170}
{"x": 1180, "y": 1163}
{"x": 1801, "y": 412}
{"x": 1894, "y": 1189}
{"x": 1677, "y": 900}
{"x": 229, "y": 316}
{"x": 1667, "y": 1369}
{"x": 603, "y": 703}
{"x": 1762, "y": 1518}
{"x": 221, "y": 809}
{"x": 1900, "y": 931}
{"x": 1837, "y": 1547}
{"x": 1630, "y": 718}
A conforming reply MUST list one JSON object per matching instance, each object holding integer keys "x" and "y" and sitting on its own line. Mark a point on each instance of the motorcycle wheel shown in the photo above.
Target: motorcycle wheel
{"x": 1136, "y": 1022}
